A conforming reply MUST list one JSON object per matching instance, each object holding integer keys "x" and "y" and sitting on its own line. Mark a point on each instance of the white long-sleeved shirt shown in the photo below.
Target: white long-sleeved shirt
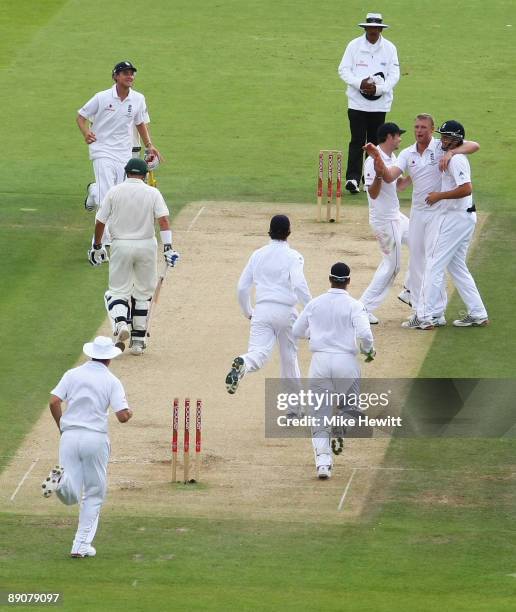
{"x": 334, "y": 321}
{"x": 277, "y": 272}
{"x": 89, "y": 390}
{"x": 361, "y": 59}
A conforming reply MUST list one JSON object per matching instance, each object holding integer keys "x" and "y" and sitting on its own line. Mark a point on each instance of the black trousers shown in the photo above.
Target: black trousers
{"x": 363, "y": 126}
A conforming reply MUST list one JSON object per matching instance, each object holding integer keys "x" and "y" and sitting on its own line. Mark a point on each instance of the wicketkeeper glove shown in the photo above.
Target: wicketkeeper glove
{"x": 171, "y": 256}
{"x": 97, "y": 255}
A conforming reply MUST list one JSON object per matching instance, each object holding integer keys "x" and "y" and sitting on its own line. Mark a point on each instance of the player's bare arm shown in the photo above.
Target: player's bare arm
{"x": 402, "y": 183}
{"x": 99, "y": 231}
{"x": 55, "y": 409}
{"x": 462, "y": 191}
{"x": 143, "y": 131}
{"x": 84, "y": 126}
{"x": 468, "y": 147}
{"x": 374, "y": 188}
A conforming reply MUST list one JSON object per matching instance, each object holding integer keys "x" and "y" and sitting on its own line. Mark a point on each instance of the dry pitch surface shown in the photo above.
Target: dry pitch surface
{"x": 196, "y": 332}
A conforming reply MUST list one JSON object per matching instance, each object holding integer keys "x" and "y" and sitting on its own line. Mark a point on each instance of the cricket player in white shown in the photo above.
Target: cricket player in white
{"x": 107, "y": 122}
{"x": 455, "y": 223}
{"x": 422, "y": 162}
{"x": 81, "y": 476}
{"x": 333, "y": 322}
{"x": 277, "y": 272}
{"x": 389, "y": 224}
{"x": 131, "y": 210}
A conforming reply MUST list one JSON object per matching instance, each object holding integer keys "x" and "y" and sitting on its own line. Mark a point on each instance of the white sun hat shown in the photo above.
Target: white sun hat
{"x": 101, "y": 348}
{"x": 374, "y": 20}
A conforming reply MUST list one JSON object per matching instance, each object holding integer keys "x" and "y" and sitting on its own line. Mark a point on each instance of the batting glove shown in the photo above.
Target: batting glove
{"x": 97, "y": 255}
{"x": 171, "y": 256}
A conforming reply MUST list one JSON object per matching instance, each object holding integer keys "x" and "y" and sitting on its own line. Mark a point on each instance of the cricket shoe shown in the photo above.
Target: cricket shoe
{"x": 415, "y": 323}
{"x": 51, "y": 482}
{"x": 352, "y": 186}
{"x": 85, "y": 551}
{"x": 470, "y": 321}
{"x": 404, "y": 297}
{"x": 372, "y": 319}
{"x": 235, "y": 375}
{"x": 121, "y": 332}
{"x": 90, "y": 203}
{"x": 137, "y": 347}
{"x": 324, "y": 472}
{"x": 439, "y": 321}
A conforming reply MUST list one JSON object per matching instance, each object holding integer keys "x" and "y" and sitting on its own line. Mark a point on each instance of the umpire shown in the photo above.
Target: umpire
{"x": 370, "y": 67}
{"x": 131, "y": 209}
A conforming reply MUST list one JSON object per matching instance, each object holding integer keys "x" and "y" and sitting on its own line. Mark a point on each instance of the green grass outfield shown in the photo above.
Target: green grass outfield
{"x": 242, "y": 96}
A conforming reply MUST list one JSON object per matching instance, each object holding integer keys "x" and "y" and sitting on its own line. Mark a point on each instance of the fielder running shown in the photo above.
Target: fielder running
{"x": 81, "y": 476}
{"x": 389, "y": 224}
{"x": 455, "y": 222}
{"x": 333, "y": 322}
{"x": 277, "y": 272}
{"x": 131, "y": 209}
{"x": 107, "y": 122}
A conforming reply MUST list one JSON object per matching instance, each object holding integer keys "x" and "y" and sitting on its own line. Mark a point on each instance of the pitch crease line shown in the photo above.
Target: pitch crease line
{"x": 24, "y": 478}
{"x": 342, "y": 499}
{"x": 195, "y": 219}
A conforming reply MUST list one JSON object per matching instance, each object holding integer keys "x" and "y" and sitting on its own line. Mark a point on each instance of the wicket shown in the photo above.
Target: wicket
{"x": 186, "y": 440}
{"x": 329, "y": 190}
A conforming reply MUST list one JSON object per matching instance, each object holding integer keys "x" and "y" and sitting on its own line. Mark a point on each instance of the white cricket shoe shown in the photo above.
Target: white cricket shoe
{"x": 352, "y": 186}
{"x": 90, "y": 203}
{"x": 372, "y": 319}
{"x": 51, "y": 482}
{"x": 404, "y": 297}
{"x": 87, "y": 551}
{"x": 415, "y": 323}
{"x": 235, "y": 375}
{"x": 121, "y": 332}
{"x": 469, "y": 321}
{"x": 137, "y": 346}
{"x": 439, "y": 321}
{"x": 324, "y": 472}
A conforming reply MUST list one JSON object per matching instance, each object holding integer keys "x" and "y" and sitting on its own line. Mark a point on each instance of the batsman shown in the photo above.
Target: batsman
{"x": 131, "y": 209}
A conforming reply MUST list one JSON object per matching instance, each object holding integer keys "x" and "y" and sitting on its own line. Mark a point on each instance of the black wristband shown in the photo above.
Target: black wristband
{"x": 97, "y": 246}
{"x": 167, "y": 247}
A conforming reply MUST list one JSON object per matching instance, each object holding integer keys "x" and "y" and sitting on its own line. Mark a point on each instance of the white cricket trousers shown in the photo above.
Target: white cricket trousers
{"x": 453, "y": 234}
{"x": 133, "y": 269}
{"x": 272, "y": 323}
{"x": 420, "y": 240}
{"x": 108, "y": 172}
{"x": 332, "y": 373}
{"x": 390, "y": 236}
{"x": 84, "y": 455}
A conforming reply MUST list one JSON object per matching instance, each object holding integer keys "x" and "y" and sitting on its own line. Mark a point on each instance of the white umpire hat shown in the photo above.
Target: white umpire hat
{"x": 101, "y": 348}
{"x": 373, "y": 20}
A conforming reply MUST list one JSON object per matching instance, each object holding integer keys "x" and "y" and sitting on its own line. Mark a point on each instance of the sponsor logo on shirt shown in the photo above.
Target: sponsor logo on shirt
{"x": 129, "y": 109}
{"x": 362, "y": 64}
{"x": 109, "y": 108}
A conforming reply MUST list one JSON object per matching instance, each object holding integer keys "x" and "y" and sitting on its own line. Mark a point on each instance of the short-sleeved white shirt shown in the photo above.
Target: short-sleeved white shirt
{"x": 386, "y": 206}
{"x": 131, "y": 209}
{"x": 334, "y": 321}
{"x": 458, "y": 173}
{"x": 423, "y": 170}
{"x": 89, "y": 390}
{"x": 113, "y": 121}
